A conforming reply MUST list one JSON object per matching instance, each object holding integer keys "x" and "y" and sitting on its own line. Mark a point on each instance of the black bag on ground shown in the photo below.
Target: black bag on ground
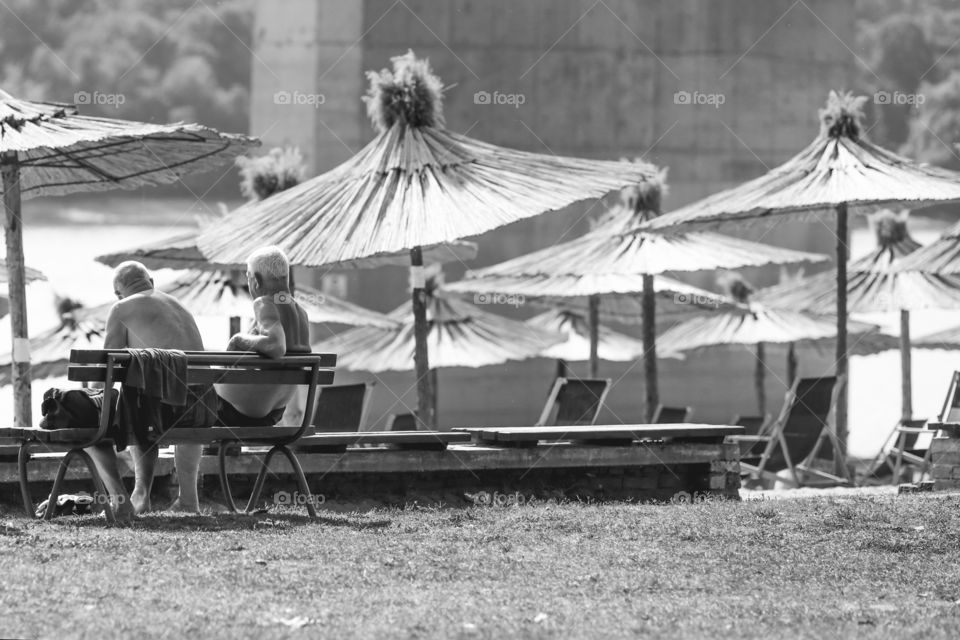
{"x": 74, "y": 408}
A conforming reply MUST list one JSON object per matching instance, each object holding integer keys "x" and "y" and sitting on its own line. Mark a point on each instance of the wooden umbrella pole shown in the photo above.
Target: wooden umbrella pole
{"x": 561, "y": 368}
{"x": 420, "y": 329}
{"x": 435, "y": 387}
{"x": 649, "y": 310}
{"x": 791, "y": 364}
{"x": 13, "y": 227}
{"x": 594, "y": 320}
{"x": 906, "y": 373}
{"x": 842, "y": 364}
{"x": 759, "y": 383}
{"x": 234, "y": 325}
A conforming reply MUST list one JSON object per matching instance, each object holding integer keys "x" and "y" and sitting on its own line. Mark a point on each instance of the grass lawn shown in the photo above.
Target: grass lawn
{"x": 877, "y": 566}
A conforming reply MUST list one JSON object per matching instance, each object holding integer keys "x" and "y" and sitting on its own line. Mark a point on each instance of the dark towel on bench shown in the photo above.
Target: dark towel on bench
{"x": 155, "y": 397}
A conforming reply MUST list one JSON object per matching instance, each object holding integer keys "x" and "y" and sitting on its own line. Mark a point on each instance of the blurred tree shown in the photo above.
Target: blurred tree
{"x": 150, "y": 60}
{"x": 936, "y": 128}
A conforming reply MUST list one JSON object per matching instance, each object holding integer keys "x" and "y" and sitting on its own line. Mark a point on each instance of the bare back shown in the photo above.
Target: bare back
{"x": 152, "y": 319}
{"x": 286, "y": 322}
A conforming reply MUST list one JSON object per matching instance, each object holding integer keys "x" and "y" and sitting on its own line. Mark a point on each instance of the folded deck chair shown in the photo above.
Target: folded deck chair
{"x": 672, "y": 415}
{"x": 801, "y": 431}
{"x": 341, "y": 408}
{"x": 904, "y": 449}
{"x": 574, "y": 402}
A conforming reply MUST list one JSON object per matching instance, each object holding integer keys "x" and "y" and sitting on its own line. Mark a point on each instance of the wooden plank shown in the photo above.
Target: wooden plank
{"x": 213, "y": 376}
{"x": 603, "y": 432}
{"x": 427, "y": 440}
{"x": 99, "y": 356}
{"x": 458, "y": 457}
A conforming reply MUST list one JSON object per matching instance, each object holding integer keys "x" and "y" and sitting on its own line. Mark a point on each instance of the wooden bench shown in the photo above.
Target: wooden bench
{"x": 613, "y": 435}
{"x": 203, "y": 367}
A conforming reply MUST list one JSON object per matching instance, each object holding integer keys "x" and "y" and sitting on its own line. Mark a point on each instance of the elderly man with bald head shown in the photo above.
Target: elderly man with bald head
{"x": 146, "y": 318}
{"x": 280, "y": 326}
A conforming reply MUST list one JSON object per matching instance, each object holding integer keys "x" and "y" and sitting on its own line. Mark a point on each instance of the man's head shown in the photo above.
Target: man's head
{"x": 131, "y": 277}
{"x": 268, "y": 271}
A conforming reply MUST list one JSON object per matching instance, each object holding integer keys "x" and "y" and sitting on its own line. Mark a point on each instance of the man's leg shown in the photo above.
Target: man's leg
{"x": 187, "y": 460}
{"x": 144, "y": 464}
{"x": 105, "y": 458}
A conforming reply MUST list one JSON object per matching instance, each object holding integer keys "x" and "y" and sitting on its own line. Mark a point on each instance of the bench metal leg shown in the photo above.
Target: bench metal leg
{"x": 261, "y": 477}
{"x": 100, "y": 488}
{"x": 23, "y": 459}
{"x": 298, "y": 472}
{"x": 224, "y": 481}
{"x": 301, "y": 479}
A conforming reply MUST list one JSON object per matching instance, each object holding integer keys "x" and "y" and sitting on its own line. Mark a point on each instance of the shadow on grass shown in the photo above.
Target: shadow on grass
{"x": 160, "y": 521}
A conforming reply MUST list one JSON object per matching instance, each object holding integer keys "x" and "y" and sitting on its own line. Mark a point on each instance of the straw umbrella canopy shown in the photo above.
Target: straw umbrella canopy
{"x": 48, "y": 149}
{"x": 941, "y": 257}
{"x": 181, "y": 252}
{"x": 876, "y": 285}
{"x": 459, "y": 335}
{"x": 29, "y": 274}
{"x": 416, "y": 184}
{"x": 79, "y": 329}
{"x": 838, "y": 172}
{"x": 946, "y": 340}
{"x": 214, "y": 293}
{"x": 612, "y": 346}
{"x": 612, "y": 260}
{"x": 755, "y": 324}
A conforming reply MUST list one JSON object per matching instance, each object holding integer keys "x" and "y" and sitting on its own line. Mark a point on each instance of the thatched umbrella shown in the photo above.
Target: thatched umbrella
{"x": 215, "y": 293}
{"x": 941, "y": 257}
{"x": 48, "y": 149}
{"x": 612, "y": 346}
{"x": 79, "y": 329}
{"x": 755, "y": 324}
{"x": 838, "y": 172}
{"x": 875, "y": 285}
{"x": 416, "y": 184}
{"x": 459, "y": 335}
{"x": 946, "y": 340}
{"x": 611, "y": 260}
{"x": 29, "y": 274}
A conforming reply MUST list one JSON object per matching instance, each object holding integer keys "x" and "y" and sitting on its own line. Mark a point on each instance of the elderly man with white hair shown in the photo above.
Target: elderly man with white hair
{"x": 279, "y": 327}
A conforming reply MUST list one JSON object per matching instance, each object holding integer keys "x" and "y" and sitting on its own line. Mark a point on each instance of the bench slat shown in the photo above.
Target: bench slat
{"x": 99, "y": 356}
{"x": 384, "y": 437}
{"x": 173, "y": 436}
{"x": 201, "y": 375}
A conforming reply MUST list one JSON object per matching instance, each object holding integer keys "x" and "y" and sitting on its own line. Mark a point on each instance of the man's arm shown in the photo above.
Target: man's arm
{"x": 271, "y": 342}
{"x": 116, "y": 336}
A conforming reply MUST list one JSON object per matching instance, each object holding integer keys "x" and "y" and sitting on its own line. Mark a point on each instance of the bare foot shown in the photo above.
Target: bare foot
{"x": 140, "y": 502}
{"x": 182, "y": 507}
{"x": 124, "y": 513}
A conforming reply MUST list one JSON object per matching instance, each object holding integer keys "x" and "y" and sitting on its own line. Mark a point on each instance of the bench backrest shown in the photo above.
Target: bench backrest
{"x": 340, "y": 408}
{"x": 212, "y": 367}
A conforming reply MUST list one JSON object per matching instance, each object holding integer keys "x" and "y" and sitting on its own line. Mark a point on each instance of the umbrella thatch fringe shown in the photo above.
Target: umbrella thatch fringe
{"x": 262, "y": 177}
{"x": 409, "y": 94}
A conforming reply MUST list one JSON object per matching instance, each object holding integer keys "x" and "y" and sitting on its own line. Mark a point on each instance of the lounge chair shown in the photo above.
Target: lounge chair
{"x": 574, "y": 402}
{"x": 906, "y": 446}
{"x": 901, "y": 451}
{"x": 402, "y": 422}
{"x": 799, "y": 433}
{"x": 754, "y": 425}
{"x": 672, "y": 415}
{"x": 341, "y": 408}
